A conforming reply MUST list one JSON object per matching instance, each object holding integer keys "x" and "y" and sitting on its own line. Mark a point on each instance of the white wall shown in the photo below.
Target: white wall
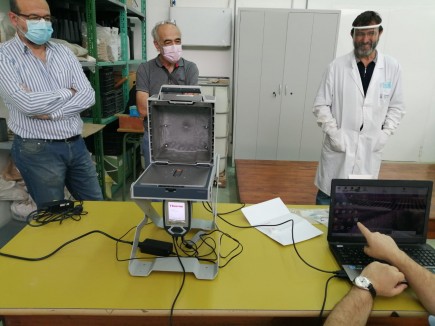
{"x": 408, "y": 31}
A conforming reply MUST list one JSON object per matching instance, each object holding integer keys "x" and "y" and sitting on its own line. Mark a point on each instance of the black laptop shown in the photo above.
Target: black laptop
{"x": 398, "y": 208}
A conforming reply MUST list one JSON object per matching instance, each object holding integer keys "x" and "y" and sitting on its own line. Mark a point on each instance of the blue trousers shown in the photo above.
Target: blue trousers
{"x": 48, "y": 167}
{"x": 322, "y": 198}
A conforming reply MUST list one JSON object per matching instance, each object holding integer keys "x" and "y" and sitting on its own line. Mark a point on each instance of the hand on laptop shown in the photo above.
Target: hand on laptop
{"x": 379, "y": 246}
{"x": 421, "y": 280}
{"x": 386, "y": 279}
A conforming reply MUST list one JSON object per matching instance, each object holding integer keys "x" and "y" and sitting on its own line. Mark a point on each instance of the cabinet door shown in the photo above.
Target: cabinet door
{"x": 281, "y": 58}
{"x": 271, "y": 92}
{"x": 311, "y": 43}
{"x": 323, "y": 46}
{"x": 297, "y": 61}
{"x": 248, "y": 82}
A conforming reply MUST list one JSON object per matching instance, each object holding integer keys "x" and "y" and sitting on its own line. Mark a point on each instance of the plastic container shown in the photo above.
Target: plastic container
{"x": 133, "y": 111}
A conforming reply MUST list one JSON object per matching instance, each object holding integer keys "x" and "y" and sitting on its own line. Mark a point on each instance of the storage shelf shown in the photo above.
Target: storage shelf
{"x": 135, "y": 62}
{"x": 109, "y": 5}
{"x": 88, "y": 65}
{"x": 104, "y": 121}
{"x": 111, "y": 64}
{"x": 118, "y": 13}
{"x": 134, "y": 12}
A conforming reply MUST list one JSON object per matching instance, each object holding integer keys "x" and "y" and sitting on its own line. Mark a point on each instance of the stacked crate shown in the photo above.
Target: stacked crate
{"x": 119, "y": 101}
{"x": 107, "y": 90}
{"x": 109, "y": 96}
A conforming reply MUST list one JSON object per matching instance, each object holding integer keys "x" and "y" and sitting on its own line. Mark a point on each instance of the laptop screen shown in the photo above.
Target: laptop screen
{"x": 398, "y": 208}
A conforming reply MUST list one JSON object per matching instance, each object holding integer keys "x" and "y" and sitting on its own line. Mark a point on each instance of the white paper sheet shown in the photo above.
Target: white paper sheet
{"x": 273, "y": 212}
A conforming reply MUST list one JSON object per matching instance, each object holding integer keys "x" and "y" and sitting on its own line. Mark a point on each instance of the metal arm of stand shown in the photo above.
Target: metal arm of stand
{"x": 202, "y": 270}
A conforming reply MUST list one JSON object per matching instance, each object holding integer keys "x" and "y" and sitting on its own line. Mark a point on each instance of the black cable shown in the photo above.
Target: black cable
{"x": 324, "y": 298}
{"x": 171, "y": 316}
{"x": 305, "y": 262}
{"x": 64, "y": 245}
{"x": 59, "y": 211}
{"x": 266, "y": 225}
{"x": 239, "y": 245}
{"x": 207, "y": 241}
{"x": 208, "y": 208}
{"x": 235, "y": 210}
{"x": 337, "y": 273}
{"x": 119, "y": 240}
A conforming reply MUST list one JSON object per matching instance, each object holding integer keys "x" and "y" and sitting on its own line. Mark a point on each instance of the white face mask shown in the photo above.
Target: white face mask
{"x": 172, "y": 53}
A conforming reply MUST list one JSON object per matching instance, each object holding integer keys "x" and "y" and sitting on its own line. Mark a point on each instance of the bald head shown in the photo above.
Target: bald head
{"x": 22, "y": 6}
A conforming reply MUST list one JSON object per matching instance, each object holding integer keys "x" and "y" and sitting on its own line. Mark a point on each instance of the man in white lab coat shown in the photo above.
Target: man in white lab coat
{"x": 359, "y": 105}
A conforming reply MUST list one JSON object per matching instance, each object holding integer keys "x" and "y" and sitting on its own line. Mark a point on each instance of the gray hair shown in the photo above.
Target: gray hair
{"x": 154, "y": 31}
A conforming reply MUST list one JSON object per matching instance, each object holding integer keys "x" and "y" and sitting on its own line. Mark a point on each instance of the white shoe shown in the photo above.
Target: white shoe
{"x": 10, "y": 190}
{"x": 20, "y": 209}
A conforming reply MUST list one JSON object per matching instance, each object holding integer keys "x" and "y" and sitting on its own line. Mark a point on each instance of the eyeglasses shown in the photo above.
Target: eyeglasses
{"x": 35, "y": 17}
{"x": 163, "y": 22}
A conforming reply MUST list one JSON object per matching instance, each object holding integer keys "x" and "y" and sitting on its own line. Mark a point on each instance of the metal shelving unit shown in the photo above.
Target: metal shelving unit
{"x": 94, "y": 7}
{"x": 112, "y": 13}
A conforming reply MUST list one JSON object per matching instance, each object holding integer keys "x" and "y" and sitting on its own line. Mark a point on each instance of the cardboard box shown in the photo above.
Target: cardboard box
{"x": 130, "y": 123}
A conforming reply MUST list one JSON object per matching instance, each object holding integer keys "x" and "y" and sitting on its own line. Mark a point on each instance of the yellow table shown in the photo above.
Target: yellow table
{"x": 85, "y": 282}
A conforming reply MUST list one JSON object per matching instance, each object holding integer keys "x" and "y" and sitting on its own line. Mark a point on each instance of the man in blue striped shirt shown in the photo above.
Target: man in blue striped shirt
{"x": 44, "y": 88}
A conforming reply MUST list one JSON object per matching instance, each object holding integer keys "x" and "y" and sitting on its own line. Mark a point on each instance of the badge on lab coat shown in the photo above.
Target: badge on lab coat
{"x": 385, "y": 92}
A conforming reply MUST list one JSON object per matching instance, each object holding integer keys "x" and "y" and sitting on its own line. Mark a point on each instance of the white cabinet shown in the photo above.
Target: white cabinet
{"x": 219, "y": 88}
{"x": 281, "y": 56}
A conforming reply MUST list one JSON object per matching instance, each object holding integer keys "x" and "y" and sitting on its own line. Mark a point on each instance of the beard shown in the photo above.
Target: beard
{"x": 362, "y": 51}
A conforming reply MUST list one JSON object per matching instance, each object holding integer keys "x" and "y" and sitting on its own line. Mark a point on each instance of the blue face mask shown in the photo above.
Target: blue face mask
{"x": 38, "y": 32}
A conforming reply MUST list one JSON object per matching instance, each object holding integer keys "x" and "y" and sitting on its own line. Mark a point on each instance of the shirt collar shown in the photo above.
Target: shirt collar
{"x": 20, "y": 44}
{"x": 374, "y": 60}
{"x": 23, "y": 46}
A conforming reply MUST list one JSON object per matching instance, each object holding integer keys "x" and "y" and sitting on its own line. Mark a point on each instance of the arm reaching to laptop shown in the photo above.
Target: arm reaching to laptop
{"x": 355, "y": 307}
{"x": 422, "y": 281}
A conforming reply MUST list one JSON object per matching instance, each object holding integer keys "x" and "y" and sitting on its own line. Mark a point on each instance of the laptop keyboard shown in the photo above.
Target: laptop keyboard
{"x": 356, "y": 256}
{"x": 422, "y": 256}
{"x": 353, "y": 256}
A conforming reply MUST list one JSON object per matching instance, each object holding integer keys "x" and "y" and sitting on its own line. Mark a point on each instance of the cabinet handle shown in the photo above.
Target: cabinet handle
{"x": 286, "y": 91}
{"x": 279, "y": 89}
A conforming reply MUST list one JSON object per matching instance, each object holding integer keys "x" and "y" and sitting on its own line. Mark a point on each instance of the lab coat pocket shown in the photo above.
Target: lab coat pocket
{"x": 336, "y": 141}
{"x": 382, "y": 141}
